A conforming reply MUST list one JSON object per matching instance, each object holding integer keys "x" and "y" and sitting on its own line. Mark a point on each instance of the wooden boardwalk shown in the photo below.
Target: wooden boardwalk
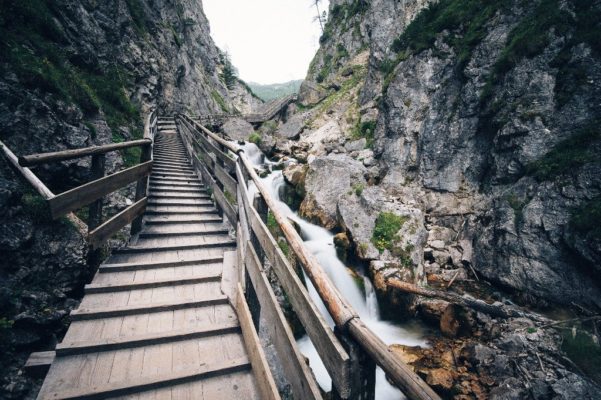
{"x": 157, "y": 320}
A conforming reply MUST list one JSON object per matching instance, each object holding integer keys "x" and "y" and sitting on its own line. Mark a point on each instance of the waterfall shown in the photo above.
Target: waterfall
{"x": 320, "y": 242}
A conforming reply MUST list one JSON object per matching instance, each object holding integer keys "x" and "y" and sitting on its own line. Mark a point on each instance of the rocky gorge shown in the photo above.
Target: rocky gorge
{"x": 454, "y": 145}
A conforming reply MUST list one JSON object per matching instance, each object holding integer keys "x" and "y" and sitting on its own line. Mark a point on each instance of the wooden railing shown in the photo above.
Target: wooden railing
{"x": 93, "y": 192}
{"x": 350, "y": 351}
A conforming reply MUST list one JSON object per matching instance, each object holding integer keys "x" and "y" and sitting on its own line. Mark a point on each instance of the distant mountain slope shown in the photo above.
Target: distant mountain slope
{"x": 275, "y": 90}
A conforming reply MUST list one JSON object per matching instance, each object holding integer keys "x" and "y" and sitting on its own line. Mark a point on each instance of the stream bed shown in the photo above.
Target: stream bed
{"x": 321, "y": 243}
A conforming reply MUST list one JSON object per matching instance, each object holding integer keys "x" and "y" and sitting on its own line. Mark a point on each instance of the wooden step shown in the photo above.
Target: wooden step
{"x": 92, "y": 288}
{"x": 172, "y": 247}
{"x": 209, "y": 211}
{"x": 173, "y": 160}
{"x": 173, "y": 174}
{"x": 184, "y": 220}
{"x": 180, "y": 202}
{"x": 149, "y": 235}
{"x": 124, "y": 267}
{"x": 150, "y": 339}
{"x": 180, "y": 180}
{"x": 167, "y": 164}
{"x": 137, "y": 385}
{"x": 166, "y": 195}
{"x": 171, "y": 189}
{"x": 83, "y": 314}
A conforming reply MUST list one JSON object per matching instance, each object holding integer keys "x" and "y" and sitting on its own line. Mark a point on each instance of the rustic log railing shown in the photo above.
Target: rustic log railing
{"x": 93, "y": 192}
{"x": 350, "y": 351}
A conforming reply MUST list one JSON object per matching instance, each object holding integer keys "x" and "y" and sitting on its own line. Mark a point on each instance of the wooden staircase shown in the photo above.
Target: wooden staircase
{"x": 157, "y": 319}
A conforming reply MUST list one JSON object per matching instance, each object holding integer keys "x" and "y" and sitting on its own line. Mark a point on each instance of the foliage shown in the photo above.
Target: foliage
{"x": 229, "y": 74}
{"x": 358, "y": 188}
{"x": 385, "y": 231}
{"x": 275, "y": 90}
{"x": 365, "y": 130}
{"x": 255, "y": 138}
{"x": 326, "y": 68}
{"x": 230, "y": 197}
{"x": 138, "y": 15}
{"x": 220, "y": 101}
{"x": 585, "y": 219}
{"x": 272, "y": 224}
{"x": 568, "y": 155}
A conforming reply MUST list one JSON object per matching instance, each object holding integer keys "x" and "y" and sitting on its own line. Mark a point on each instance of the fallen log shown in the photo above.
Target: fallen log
{"x": 496, "y": 309}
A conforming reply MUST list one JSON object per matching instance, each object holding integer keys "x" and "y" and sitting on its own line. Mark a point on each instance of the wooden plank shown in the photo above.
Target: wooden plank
{"x": 101, "y": 234}
{"x": 109, "y": 268}
{"x": 230, "y": 212}
{"x": 226, "y": 179}
{"x": 95, "y": 313}
{"x": 329, "y": 348}
{"x": 149, "y": 339}
{"x": 39, "y": 363}
{"x": 230, "y": 275}
{"x": 209, "y": 276}
{"x": 154, "y": 249}
{"x": 210, "y": 147}
{"x": 85, "y": 194}
{"x": 264, "y": 378}
{"x": 293, "y": 362}
{"x": 138, "y": 385}
{"x": 42, "y": 158}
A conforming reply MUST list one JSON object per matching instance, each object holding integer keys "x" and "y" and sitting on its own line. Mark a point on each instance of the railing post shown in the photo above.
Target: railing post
{"x": 141, "y": 188}
{"x": 260, "y": 205}
{"x": 95, "y": 209}
{"x": 363, "y": 370}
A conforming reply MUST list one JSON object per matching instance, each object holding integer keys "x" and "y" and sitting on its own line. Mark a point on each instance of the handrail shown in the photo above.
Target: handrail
{"x": 346, "y": 319}
{"x": 41, "y": 158}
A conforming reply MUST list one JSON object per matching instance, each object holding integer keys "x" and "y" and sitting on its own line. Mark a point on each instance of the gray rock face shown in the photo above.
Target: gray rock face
{"x": 293, "y": 127}
{"x": 237, "y": 129}
{"x": 328, "y": 178}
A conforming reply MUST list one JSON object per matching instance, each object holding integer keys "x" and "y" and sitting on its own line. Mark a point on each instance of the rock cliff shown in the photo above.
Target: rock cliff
{"x": 483, "y": 118}
{"x": 74, "y": 74}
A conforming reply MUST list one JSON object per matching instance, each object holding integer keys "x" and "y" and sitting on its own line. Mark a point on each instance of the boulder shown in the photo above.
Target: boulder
{"x": 293, "y": 127}
{"x": 440, "y": 379}
{"x": 237, "y": 129}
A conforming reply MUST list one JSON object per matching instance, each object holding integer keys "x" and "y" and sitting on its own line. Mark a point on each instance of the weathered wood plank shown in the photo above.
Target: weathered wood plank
{"x": 226, "y": 179}
{"x": 38, "y": 364}
{"x": 94, "y": 313}
{"x": 101, "y": 234}
{"x": 85, "y": 194}
{"x": 137, "y": 385}
{"x": 42, "y": 158}
{"x": 296, "y": 370}
{"x": 148, "y": 339}
{"x": 209, "y": 276}
{"x": 265, "y": 381}
{"x": 108, "y": 268}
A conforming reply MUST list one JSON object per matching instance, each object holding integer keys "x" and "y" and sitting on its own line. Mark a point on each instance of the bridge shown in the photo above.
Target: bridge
{"x": 266, "y": 113}
{"x": 175, "y": 314}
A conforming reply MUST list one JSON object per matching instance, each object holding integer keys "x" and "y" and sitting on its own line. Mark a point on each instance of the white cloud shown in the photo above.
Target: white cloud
{"x": 269, "y": 41}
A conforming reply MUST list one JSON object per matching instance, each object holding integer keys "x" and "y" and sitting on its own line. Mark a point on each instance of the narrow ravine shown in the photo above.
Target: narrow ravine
{"x": 321, "y": 242}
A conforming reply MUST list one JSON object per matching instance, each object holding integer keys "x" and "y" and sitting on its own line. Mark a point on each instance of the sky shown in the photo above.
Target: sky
{"x": 269, "y": 41}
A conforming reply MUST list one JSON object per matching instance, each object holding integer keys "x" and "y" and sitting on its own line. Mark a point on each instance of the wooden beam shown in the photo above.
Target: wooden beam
{"x": 264, "y": 378}
{"x": 85, "y": 194}
{"x": 39, "y": 186}
{"x": 408, "y": 381}
{"x": 42, "y": 158}
{"x": 149, "y": 339}
{"x": 82, "y": 314}
{"x": 293, "y": 362}
{"x": 101, "y": 234}
{"x": 209, "y": 276}
{"x": 137, "y": 385}
{"x": 39, "y": 363}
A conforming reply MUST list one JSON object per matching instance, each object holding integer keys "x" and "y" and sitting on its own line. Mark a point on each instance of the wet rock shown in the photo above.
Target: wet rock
{"x": 431, "y": 310}
{"x": 295, "y": 175}
{"x": 343, "y": 244}
{"x": 457, "y": 321}
{"x": 440, "y": 379}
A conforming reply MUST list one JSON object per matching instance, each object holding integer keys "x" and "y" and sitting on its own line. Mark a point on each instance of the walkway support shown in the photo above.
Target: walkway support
{"x": 209, "y": 151}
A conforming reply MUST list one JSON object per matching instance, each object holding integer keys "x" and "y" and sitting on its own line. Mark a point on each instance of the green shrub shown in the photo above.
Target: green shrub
{"x": 358, "y": 188}
{"x": 272, "y": 224}
{"x": 364, "y": 130}
{"x": 583, "y": 351}
{"x": 138, "y": 15}
{"x": 220, "y": 101}
{"x": 36, "y": 207}
{"x": 568, "y": 155}
{"x": 385, "y": 231}
{"x": 255, "y": 138}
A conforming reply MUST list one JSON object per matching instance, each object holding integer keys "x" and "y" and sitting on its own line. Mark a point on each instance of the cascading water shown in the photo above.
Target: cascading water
{"x": 321, "y": 243}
